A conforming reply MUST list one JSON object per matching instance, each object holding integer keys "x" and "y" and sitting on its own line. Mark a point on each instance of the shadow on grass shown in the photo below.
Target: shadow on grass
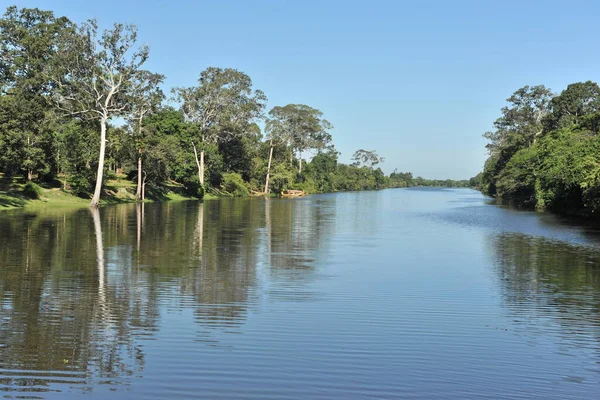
{"x": 114, "y": 194}
{"x": 158, "y": 193}
{"x": 11, "y": 195}
{"x": 11, "y": 201}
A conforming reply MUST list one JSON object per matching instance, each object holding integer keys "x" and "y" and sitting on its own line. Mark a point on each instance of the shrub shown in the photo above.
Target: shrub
{"x": 32, "y": 191}
{"x": 191, "y": 187}
{"x": 234, "y": 184}
{"x": 80, "y": 185}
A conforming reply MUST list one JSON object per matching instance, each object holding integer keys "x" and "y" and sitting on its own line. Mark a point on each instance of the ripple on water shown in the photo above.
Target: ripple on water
{"x": 419, "y": 293}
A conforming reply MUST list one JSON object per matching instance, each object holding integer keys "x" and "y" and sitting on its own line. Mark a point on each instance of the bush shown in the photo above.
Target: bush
{"x": 281, "y": 178}
{"x": 308, "y": 185}
{"x": 32, "y": 191}
{"x": 234, "y": 184}
{"x": 109, "y": 175}
{"x": 193, "y": 188}
{"x": 80, "y": 185}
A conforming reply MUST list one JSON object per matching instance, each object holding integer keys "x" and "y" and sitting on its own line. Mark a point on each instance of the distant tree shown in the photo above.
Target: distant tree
{"x": 366, "y": 158}
{"x": 302, "y": 127}
{"x": 96, "y": 74}
{"x": 277, "y": 131}
{"x": 145, "y": 98}
{"x": 222, "y": 106}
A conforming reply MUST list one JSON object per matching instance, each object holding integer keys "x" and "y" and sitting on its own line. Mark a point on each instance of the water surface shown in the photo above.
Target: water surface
{"x": 403, "y": 293}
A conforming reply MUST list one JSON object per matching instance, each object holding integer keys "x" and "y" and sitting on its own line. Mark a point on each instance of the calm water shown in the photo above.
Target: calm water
{"x": 403, "y": 293}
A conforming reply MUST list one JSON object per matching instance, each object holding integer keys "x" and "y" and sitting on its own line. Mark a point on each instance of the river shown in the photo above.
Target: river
{"x": 400, "y": 293}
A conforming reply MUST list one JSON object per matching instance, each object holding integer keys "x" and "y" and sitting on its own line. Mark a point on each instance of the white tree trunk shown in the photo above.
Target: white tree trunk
{"x": 202, "y": 168}
{"x": 199, "y": 164}
{"x": 96, "y": 198}
{"x": 300, "y": 163}
{"x": 138, "y": 193}
{"x": 269, "y": 169}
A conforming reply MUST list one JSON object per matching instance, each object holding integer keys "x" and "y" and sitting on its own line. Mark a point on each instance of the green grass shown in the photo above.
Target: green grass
{"x": 11, "y": 193}
{"x": 116, "y": 191}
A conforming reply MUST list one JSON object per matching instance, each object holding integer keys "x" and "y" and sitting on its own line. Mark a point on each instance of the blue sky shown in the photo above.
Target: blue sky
{"x": 418, "y": 81}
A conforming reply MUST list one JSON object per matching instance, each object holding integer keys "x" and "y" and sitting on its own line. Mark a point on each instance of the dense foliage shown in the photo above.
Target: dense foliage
{"x": 545, "y": 150}
{"x": 61, "y": 85}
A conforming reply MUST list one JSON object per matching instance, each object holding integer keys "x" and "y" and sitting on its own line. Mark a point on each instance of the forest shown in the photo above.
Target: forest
{"x": 544, "y": 152}
{"x": 78, "y": 109}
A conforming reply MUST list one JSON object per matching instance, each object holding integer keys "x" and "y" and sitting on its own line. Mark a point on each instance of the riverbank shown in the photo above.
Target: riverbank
{"x": 15, "y": 195}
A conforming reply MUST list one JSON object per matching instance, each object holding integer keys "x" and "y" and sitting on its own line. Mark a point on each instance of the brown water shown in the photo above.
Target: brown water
{"x": 404, "y": 293}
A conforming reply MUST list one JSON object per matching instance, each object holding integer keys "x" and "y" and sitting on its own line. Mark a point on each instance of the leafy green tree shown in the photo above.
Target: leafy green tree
{"x": 77, "y": 154}
{"x": 95, "y": 74}
{"x": 366, "y": 158}
{"x": 520, "y": 125}
{"x": 28, "y": 44}
{"x": 222, "y": 106}
{"x": 166, "y": 140}
{"x": 303, "y": 127}
{"x": 322, "y": 169}
{"x": 145, "y": 98}
{"x": 558, "y": 170}
{"x": 578, "y": 104}
{"x": 118, "y": 148}
{"x": 401, "y": 179}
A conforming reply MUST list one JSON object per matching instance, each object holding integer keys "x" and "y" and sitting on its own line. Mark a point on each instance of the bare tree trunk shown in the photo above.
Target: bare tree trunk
{"x": 300, "y": 161}
{"x": 138, "y": 192}
{"x": 269, "y": 169}
{"x": 199, "y": 164}
{"x": 96, "y": 198}
{"x": 202, "y": 168}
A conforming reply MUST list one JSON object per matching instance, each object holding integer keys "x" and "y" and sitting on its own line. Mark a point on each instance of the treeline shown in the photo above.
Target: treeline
{"x": 405, "y": 179}
{"x": 545, "y": 150}
{"x": 61, "y": 85}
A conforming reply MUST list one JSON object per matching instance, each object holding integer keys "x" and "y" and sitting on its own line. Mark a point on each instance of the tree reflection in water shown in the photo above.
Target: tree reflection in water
{"x": 80, "y": 291}
{"x": 541, "y": 278}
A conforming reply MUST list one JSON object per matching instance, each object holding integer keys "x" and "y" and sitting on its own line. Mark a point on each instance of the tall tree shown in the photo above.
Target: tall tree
{"x": 520, "y": 125}
{"x": 578, "y": 104}
{"x": 222, "y": 106}
{"x": 28, "y": 44}
{"x": 521, "y": 122}
{"x": 97, "y": 72}
{"x": 145, "y": 98}
{"x": 366, "y": 158}
{"x": 278, "y": 132}
{"x": 303, "y": 127}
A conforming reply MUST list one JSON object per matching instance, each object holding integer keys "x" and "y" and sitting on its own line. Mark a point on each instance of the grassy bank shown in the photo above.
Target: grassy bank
{"x": 15, "y": 194}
